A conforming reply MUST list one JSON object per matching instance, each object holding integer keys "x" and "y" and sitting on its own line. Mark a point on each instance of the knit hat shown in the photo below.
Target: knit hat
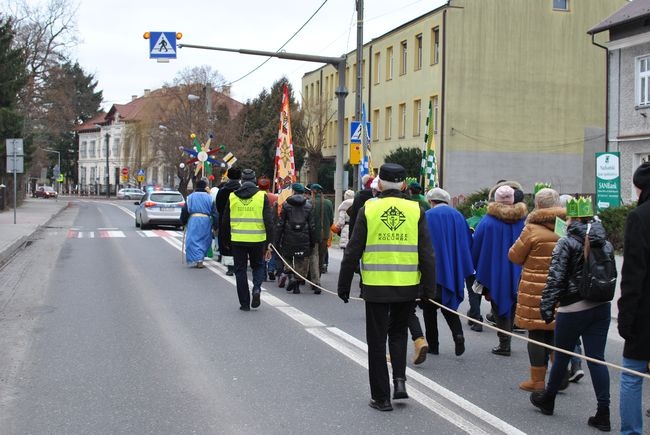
{"x": 438, "y": 194}
{"x": 367, "y": 181}
{"x": 298, "y": 188}
{"x": 641, "y": 178}
{"x": 248, "y": 175}
{"x": 234, "y": 173}
{"x": 264, "y": 182}
{"x": 415, "y": 186}
{"x": 505, "y": 195}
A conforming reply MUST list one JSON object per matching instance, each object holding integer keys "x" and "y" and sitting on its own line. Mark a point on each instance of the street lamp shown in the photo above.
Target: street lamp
{"x": 58, "y": 154}
{"x": 192, "y": 97}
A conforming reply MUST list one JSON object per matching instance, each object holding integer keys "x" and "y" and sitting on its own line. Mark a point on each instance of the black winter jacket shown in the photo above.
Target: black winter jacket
{"x": 295, "y": 232}
{"x": 565, "y": 271}
{"x": 223, "y": 193}
{"x": 387, "y": 294}
{"x": 634, "y": 304}
{"x": 359, "y": 200}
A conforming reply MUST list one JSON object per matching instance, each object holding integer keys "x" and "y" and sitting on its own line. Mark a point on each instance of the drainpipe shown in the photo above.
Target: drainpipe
{"x": 444, "y": 100}
{"x": 593, "y": 41}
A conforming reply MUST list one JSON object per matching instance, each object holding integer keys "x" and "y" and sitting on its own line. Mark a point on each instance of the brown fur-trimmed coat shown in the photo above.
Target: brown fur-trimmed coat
{"x": 533, "y": 250}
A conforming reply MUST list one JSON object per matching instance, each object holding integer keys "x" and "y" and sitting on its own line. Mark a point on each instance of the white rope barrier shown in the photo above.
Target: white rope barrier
{"x": 487, "y": 325}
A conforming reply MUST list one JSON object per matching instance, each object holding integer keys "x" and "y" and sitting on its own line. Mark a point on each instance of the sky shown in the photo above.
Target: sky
{"x": 111, "y": 45}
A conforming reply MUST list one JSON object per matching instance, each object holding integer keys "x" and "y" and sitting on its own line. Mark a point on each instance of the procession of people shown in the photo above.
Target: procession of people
{"x": 416, "y": 250}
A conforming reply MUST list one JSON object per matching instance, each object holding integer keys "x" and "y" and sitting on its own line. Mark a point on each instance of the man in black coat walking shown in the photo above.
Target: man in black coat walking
{"x": 634, "y": 304}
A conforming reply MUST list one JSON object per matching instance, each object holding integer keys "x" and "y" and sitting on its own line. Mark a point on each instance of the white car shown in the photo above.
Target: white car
{"x": 130, "y": 193}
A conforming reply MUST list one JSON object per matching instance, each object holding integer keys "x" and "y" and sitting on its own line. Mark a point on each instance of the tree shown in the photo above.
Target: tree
{"x": 13, "y": 76}
{"x": 316, "y": 116}
{"x": 410, "y": 158}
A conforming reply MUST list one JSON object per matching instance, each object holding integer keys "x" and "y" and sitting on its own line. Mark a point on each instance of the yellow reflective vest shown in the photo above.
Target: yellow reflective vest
{"x": 246, "y": 218}
{"x": 391, "y": 254}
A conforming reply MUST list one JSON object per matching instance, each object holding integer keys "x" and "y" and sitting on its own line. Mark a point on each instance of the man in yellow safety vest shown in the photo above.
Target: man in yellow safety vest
{"x": 246, "y": 229}
{"x": 398, "y": 265}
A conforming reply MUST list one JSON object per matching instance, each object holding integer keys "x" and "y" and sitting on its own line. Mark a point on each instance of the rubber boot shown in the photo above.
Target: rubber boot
{"x": 421, "y": 349}
{"x": 544, "y": 400}
{"x": 601, "y": 420}
{"x": 536, "y": 381}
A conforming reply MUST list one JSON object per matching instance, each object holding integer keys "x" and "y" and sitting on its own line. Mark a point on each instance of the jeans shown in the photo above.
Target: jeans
{"x": 592, "y": 326}
{"x": 241, "y": 255}
{"x": 474, "y": 299}
{"x": 630, "y": 403}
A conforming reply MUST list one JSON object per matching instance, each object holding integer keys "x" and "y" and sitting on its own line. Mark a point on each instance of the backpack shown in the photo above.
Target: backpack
{"x": 599, "y": 274}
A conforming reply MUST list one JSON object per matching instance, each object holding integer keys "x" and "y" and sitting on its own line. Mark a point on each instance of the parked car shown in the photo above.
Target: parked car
{"x": 159, "y": 208}
{"x": 45, "y": 192}
{"x": 130, "y": 193}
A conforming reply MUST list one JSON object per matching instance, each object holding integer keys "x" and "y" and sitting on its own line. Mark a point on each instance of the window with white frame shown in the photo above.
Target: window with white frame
{"x": 418, "y": 52}
{"x": 435, "y": 46}
{"x": 561, "y": 5}
{"x": 82, "y": 150}
{"x": 91, "y": 152}
{"x": 402, "y": 121}
{"x": 435, "y": 109}
{"x": 643, "y": 81}
{"x": 403, "y": 58}
{"x": 388, "y": 132}
{"x": 389, "y": 63}
{"x": 375, "y": 123}
{"x": 417, "y": 117}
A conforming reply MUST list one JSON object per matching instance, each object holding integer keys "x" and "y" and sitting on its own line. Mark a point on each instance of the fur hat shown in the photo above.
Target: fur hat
{"x": 505, "y": 195}
{"x": 641, "y": 178}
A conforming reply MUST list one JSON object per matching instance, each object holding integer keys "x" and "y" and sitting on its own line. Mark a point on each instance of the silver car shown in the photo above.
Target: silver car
{"x": 159, "y": 208}
{"x": 130, "y": 193}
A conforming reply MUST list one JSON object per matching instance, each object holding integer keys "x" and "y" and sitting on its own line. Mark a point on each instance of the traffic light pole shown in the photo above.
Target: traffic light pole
{"x": 341, "y": 92}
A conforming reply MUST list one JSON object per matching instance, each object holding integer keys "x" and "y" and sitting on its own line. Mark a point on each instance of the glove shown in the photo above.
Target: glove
{"x": 344, "y": 295}
{"x": 548, "y": 318}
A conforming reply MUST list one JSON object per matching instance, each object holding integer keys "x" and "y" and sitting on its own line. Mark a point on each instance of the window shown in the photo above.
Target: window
{"x": 417, "y": 117}
{"x": 375, "y": 122}
{"x": 82, "y": 150}
{"x": 389, "y": 63}
{"x": 402, "y": 121}
{"x": 92, "y": 150}
{"x": 115, "y": 151}
{"x": 418, "y": 52}
{"x": 435, "y": 45}
{"x": 388, "y": 130}
{"x": 561, "y": 5}
{"x": 93, "y": 175}
{"x": 435, "y": 110}
{"x": 643, "y": 81}
{"x": 403, "y": 58}
{"x": 375, "y": 69}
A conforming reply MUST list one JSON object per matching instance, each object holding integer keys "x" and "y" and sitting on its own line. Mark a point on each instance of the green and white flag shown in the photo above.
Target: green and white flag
{"x": 429, "y": 170}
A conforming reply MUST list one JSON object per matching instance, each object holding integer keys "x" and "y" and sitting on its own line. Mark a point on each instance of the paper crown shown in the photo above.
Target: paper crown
{"x": 540, "y": 186}
{"x": 479, "y": 208}
{"x": 581, "y": 207}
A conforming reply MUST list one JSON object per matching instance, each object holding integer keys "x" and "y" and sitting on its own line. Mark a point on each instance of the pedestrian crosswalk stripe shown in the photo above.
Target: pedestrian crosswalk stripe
{"x": 119, "y": 234}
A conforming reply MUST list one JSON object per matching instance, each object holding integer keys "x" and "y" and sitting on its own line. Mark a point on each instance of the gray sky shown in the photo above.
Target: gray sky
{"x": 112, "y": 47}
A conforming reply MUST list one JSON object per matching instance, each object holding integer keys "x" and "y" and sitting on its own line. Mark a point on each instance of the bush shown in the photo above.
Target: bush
{"x": 614, "y": 222}
{"x": 466, "y": 206}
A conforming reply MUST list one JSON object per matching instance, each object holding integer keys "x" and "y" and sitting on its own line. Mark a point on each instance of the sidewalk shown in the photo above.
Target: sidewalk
{"x": 30, "y": 216}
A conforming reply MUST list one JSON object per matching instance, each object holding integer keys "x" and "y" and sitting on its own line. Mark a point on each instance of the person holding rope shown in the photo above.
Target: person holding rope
{"x": 634, "y": 304}
{"x": 576, "y": 316}
{"x": 398, "y": 265}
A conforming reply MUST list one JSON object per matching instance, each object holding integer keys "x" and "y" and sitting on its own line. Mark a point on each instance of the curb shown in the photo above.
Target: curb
{"x": 11, "y": 250}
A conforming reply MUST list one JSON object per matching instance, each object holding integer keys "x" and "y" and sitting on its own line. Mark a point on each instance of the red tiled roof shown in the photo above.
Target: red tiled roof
{"x": 90, "y": 125}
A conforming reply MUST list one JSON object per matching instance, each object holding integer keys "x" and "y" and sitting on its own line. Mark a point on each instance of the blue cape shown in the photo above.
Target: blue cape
{"x": 452, "y": 242}
{"x": 492, "y": 240}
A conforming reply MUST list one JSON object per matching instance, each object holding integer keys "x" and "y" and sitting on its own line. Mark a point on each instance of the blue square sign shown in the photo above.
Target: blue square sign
{"x": 162, "y": 45}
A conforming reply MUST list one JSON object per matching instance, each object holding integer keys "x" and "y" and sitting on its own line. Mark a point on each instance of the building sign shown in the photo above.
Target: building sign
{"x": 608, "y": 180}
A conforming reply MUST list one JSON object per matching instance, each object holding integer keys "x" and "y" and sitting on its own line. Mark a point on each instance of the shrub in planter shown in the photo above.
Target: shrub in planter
{"x": 614, "y": 222}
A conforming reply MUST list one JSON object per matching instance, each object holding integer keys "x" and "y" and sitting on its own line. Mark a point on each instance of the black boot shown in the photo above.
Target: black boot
{"x": 503, "y": 348}
{"x": 460, "y": 344}
{"x": 544, "y": 400}
{"x": 601, "y": 420}
{"x": 399, "y": 391}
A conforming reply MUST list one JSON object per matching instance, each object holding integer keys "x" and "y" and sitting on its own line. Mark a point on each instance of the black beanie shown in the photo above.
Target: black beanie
{"x": 641, "y": 178}
{"x": 234, "y": 173}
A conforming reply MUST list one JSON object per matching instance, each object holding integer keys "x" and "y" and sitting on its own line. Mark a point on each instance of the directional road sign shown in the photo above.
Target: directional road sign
{"x": 162, "y": 45}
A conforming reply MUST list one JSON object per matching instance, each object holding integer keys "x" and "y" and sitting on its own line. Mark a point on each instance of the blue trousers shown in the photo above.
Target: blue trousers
{"x": 592, "y": 326}
{"x": 631, "y": 390}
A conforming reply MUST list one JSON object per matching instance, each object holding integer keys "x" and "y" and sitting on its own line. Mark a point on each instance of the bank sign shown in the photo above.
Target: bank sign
{"x": 608, "y": 180}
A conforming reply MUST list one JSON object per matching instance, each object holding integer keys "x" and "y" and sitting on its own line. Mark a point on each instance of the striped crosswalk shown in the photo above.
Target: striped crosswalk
{"x": 114, "y": 233}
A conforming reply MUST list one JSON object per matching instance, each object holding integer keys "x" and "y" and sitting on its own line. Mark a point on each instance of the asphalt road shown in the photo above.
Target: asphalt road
{"x": 105, "y": 330}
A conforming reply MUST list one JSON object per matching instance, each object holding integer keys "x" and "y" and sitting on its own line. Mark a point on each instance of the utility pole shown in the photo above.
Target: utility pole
{"x": 341, "y": 92}
{"x": 358, "y": 98}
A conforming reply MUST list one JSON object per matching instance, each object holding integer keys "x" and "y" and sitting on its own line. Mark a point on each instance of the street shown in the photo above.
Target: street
{"x": 105, "y": 330}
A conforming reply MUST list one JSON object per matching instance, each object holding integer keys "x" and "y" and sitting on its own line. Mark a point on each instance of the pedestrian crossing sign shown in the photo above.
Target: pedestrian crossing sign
{"x": 162, "y": 45}
{"x": 355, "y": 130}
